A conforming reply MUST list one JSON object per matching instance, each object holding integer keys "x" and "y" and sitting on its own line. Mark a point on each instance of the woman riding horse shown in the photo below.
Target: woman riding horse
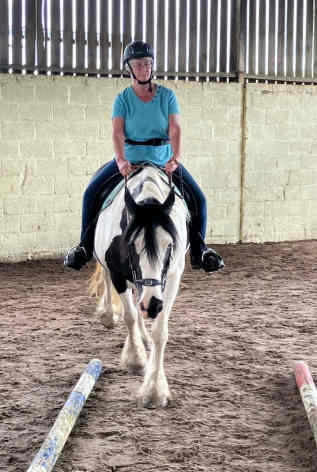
{"x": 146, "y": 128}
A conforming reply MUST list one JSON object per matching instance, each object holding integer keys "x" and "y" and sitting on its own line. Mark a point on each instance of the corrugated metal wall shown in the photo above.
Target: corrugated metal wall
{"x": 192, "y": 38}
{"x": 196, "y": 39}
{"x": 278, "y": 40}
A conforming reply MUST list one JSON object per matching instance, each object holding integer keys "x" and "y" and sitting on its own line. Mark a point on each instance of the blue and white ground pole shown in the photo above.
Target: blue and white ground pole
{"x": 45, "y": 459}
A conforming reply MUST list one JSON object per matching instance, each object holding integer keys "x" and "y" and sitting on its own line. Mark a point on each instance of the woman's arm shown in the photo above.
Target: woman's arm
{"x": 174, "y": 128}
{"x": 118, "y": 138}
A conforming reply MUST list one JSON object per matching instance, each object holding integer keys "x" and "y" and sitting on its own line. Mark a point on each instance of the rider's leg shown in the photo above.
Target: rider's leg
{"x": 200, "y": 255}
{"x": 79, "y": 255}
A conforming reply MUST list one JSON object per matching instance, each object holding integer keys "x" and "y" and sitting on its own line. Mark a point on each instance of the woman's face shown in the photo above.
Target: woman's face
{"x": 142, "y": 68}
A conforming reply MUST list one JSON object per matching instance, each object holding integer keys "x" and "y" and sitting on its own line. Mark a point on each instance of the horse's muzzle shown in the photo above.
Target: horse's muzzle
{"x": 154, "y": 308}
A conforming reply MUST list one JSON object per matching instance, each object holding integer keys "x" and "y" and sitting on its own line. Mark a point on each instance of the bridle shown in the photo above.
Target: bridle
{"x": 139, "y": 283}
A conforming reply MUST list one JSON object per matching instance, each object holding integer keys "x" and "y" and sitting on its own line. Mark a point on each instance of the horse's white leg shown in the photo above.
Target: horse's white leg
{"x": 104, "y": 307}
{"x": 133, "y": 355}
{"x": 146, "y": 338}
{"x": 155, "y": 391}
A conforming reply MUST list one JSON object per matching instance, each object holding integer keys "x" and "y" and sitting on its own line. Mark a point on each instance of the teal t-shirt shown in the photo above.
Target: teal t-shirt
{"x": 144, "y": 121}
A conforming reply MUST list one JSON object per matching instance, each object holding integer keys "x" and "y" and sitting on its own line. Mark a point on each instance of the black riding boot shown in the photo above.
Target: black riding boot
{"x": 78, "y": 256}
{"x": 202, "y": 257}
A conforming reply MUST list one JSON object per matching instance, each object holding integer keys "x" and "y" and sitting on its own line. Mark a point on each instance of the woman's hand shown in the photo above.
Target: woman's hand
{"x": 171, "y": 165}
{"x": 125, "y": 167}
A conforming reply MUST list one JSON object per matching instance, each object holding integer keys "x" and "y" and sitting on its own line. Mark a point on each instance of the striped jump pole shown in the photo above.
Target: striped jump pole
{"x": 308, "y": 393}
{"x": 45, "y": 459}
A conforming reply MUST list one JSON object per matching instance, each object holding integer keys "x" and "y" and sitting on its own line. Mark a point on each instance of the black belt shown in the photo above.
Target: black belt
{"x": 149, "y": 142}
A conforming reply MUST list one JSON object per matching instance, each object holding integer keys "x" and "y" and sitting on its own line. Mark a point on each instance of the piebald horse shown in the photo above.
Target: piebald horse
{"x": 140, "y": 243}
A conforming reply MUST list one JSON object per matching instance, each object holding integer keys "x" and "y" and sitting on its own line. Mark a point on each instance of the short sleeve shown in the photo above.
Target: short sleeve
{"x": 119, "y": 108}
{"x": 173, "y": 108}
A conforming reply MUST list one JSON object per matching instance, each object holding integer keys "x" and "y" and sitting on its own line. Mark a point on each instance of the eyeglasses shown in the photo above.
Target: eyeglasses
{"x": 140, "y": 65}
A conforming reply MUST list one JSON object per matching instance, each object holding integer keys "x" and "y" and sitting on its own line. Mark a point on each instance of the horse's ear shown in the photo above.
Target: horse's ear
{"x": 129, "y": 201}
{"x": 170, "y": 200}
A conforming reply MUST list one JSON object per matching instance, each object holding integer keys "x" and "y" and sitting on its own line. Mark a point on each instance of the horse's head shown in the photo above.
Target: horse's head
{"x": 151, "y": 237}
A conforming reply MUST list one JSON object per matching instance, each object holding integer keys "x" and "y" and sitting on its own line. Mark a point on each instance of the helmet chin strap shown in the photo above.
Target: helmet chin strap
{"x": 142, "y": 82}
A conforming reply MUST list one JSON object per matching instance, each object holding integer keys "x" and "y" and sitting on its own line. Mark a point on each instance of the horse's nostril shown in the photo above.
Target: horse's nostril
{"x": 142, "y": 306}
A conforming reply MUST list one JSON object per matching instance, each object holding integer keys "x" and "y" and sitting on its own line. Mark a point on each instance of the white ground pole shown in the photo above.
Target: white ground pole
{"x": 45, "y": 459}
{"x": 308, "y": 393}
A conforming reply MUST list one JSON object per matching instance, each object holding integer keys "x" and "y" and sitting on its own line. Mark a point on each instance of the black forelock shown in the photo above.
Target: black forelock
{"x": 149, "y": 216}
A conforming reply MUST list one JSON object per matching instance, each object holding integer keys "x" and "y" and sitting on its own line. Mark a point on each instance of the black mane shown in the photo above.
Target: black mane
{"x": 150, "y": 215}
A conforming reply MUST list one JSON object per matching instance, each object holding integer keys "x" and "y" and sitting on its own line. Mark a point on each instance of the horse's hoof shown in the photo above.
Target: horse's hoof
{"x": 136, "y": 370}
{"x": 133, "y": 368}
{"x": 154, "y": 401}
{"x": 109, "y": 322}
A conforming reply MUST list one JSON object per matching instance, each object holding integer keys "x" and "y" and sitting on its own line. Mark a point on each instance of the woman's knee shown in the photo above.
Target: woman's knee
{"x": 98, "y": 180}
{"x": 89, "y": 194}
{"x": 193, "y": 188}
{"x": 201, "y": 199}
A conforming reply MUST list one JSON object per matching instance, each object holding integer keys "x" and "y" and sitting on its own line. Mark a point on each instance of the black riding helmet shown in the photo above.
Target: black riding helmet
{"x": 137, "y": 50}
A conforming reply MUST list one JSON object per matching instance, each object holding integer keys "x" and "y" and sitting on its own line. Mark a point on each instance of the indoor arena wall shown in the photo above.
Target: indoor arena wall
{"x": 251, "y": 147}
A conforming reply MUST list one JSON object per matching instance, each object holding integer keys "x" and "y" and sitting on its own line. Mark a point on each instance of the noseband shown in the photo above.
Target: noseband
{"x": 139, "y": 283}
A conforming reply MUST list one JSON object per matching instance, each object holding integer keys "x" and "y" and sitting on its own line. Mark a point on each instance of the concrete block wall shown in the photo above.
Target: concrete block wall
{"x": 280, "y": 180}
{"x": 56, "y": 131}
{"x": 211, "y": 150}
{"x": 54, "y": 135}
